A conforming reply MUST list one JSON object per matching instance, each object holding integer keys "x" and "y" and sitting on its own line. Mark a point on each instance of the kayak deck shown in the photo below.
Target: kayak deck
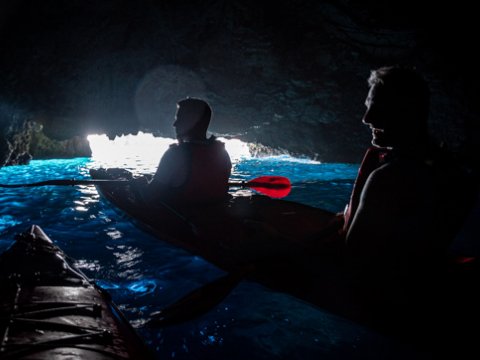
{"x": 51, "y": 310}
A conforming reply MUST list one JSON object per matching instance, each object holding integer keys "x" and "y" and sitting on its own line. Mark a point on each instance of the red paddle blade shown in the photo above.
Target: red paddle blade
{"x": 273, "y": 186}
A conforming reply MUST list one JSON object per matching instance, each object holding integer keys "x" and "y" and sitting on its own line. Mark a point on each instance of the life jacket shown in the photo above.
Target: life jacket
{"x": 374, "y": 158}
{"x": 208, "y": 173}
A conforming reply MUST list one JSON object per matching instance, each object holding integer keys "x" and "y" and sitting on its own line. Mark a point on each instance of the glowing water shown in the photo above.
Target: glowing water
{"x": 144, "y": 274}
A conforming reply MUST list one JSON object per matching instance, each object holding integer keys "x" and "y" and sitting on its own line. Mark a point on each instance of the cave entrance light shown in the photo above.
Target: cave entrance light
{"x": 143, "y": 151}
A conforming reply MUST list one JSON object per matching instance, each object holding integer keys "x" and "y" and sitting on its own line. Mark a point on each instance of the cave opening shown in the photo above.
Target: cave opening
{"x": 145, "y": 149}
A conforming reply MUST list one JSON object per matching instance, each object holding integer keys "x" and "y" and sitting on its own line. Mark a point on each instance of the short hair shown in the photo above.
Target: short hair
{"x": 405, "y": 84}
{"x": 198, "y": 110}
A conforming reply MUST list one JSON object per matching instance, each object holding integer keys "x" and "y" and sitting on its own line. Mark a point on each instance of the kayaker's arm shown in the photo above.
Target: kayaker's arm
{"x": 171, "y": 173}
{"x": 393, "y": 233}
{"x": 172, "y": 170}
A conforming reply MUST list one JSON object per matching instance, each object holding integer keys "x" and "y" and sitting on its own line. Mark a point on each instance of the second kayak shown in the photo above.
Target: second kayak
{"x": 50, "y": 310}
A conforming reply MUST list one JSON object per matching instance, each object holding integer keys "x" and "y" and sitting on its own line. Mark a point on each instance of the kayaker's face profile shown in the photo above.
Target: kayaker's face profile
{"x": 381, "y": 117}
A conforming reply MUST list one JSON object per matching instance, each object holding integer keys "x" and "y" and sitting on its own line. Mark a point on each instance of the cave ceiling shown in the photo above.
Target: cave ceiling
{"x": 286, "y": 74}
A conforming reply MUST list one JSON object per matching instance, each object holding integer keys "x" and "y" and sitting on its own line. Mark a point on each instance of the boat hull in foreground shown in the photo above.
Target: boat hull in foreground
{"x": 51, "y": 310}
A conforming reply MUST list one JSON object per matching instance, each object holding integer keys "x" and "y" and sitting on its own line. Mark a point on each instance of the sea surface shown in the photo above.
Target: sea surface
{"x": 144, "y": 274}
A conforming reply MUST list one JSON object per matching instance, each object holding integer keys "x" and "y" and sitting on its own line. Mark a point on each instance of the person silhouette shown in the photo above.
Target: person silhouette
{"x": 403, "y": 211}
{"x": 196, "y": 169}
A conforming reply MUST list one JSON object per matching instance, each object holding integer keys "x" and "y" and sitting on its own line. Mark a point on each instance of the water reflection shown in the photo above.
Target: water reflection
{"x": 143, "y": 287}
{"x": 139, "y": 287}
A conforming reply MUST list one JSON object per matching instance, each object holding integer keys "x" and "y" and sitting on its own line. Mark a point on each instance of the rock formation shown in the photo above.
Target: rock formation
{"x": 289, "y": 75}
{"x": 15, "y": 136}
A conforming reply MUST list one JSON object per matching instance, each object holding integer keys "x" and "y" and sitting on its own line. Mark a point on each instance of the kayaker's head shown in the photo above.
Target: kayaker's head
{"x": 397, "y": 107}
{"x": 192, "y": 119}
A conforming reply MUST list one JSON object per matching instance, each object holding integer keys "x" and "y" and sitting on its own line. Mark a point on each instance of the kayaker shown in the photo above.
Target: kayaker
{"x": 401, "y": 193}
{"x": 405, "y": 208}
{"x": 196, "y": 169}
{"x": 393, "y": 192}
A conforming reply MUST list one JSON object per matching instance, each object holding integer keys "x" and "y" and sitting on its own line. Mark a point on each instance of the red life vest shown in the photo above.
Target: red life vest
{"x": 209, "y": 171}
{"x": 373, "y": 159}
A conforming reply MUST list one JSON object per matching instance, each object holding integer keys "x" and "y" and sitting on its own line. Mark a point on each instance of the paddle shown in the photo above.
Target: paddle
{"x": 66, "y": 182}
{"x": 273, "y": 186}
{"x": 197, "y": 302}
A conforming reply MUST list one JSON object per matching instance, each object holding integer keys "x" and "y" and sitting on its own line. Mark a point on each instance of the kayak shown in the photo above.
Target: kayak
{"x": 51, "y": 310}
{"x": 231, "y": 234}
{"x": 282, "y": 245}
{"x": 274, "y": 242}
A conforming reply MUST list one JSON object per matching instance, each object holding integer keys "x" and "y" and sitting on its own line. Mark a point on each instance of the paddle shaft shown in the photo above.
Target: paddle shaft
{"x": 254, "y": 184}
{"x": 73, "y": 182}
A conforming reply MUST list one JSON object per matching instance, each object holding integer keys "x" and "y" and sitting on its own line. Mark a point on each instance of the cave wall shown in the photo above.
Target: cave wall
{"x": 290, "y": 75}
{"x": 15, "y": 136}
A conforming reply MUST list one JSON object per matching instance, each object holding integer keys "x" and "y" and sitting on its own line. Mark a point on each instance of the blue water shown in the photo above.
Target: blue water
{"x": 144, "y": 274}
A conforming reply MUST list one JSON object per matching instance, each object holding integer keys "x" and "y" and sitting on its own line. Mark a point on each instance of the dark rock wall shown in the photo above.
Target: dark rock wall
{"x": 43, "y": 147}
{"x": 286, "y": 74}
